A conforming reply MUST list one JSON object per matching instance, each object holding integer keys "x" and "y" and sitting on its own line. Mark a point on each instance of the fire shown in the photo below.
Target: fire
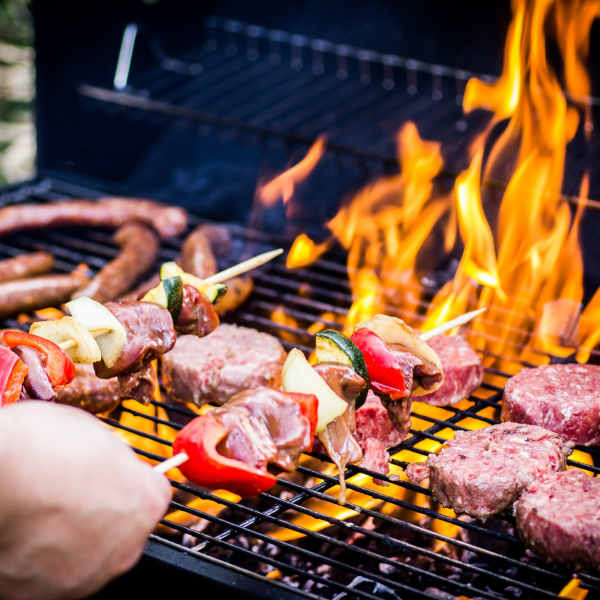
{"x": 518, "y": 242}
{"x": 283, "y": 185}
{"x": 280, "y": 316}
{"x": 527, "y": 269}
{"x": 304, "y": 252}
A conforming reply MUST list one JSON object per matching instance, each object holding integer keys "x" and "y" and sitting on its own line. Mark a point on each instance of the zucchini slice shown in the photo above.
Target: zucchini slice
{"x": 94, "y": 316}
{"x": 213, "y": 291}
{"x": 85, "y": 350}
{"x": 298, "y": 376}
{"x": 167, "y": 294}
{"x": 170, "y": 269}
{"x": 332, "y": 346}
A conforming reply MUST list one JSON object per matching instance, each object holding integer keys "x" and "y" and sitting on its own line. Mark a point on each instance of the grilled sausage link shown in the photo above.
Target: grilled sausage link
{"x": 200, "y": 247}
{"x": 24, "y": 295}
{"x": 26, "y": 265}
{"x": 168, "y": 221}
{"x": 139, "y": 249}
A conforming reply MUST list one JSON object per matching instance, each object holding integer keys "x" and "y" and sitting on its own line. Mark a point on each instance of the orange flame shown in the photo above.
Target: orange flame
{"x": 528, "y": 271}
{"x": 304, "y": 252}
{"x": 283, "y": 185}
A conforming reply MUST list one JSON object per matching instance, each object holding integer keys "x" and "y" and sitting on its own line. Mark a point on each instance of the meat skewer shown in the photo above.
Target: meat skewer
{"x": 25, "y": 265}
{"x": 139, "y": 249}
{"x": 167, "y": 221}
{"x": 118, "y": 338}
{"x": 330, "y": 405}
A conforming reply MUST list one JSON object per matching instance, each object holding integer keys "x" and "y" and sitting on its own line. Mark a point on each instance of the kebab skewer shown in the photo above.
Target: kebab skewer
{"x": 199, "y": 447}
{"x": 118, "y": 338}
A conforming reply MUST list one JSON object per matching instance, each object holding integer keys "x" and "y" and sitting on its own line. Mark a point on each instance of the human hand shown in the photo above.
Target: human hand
{"x": 76, "y": 505}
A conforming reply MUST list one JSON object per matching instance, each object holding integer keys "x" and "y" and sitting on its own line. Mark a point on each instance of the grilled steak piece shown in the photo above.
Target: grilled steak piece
{"x": 482, "y": 472}
{"x": 227, "y": 361}
{"x": 559, "y": 516}
{"x": 23, "y": 295}
{"x": 89, "y": 392}
{"x": 150, "y": 333}
{"x": 139, "y": 249}
{"x": 168, "y": 221}
{"x": 265, "y": 427}
{"x": 343, "y": 380}
{"x": 463, "y": 371}
{"x": 138, "y": 385}
{"x": 561, "y": 398}
{"x": 25, "y": 265}
{"x": 376, "y": 433}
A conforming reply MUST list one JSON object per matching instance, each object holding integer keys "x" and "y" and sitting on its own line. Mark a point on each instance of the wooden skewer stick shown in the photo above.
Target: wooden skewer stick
{"x": 70, "y": 343}
{"x": 244, "y": 266}
{"x": 171, "y": 463}
{"x": 460, "y": 320}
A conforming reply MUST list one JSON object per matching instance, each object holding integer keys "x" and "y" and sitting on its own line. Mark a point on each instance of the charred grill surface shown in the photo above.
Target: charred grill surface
{"x": 394, "y": 542}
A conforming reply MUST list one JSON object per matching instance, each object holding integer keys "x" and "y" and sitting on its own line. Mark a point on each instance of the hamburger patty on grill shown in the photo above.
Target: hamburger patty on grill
{"x": 482, "y": 472}
{"x": 560, "y": 517}
{"x": 561, "y": 398}
{"x": 229, "y": 360}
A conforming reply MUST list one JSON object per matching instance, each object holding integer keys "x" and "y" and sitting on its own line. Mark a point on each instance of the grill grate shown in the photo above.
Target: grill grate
{"x": 247, "y": 79}
{"x": 395, "y": 543}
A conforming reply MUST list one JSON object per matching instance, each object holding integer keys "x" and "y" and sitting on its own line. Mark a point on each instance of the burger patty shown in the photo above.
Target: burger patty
{"x": 482, "y": 472}
{"x": 229, "y": 360}
{"x": 561, "y": 398}
{"x": 559, "y": 516}
{"x": 463, "y": 371}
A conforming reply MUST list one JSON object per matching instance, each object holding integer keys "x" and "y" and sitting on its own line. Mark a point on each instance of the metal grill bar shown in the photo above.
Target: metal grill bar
{"x": 283, "y": 86}
{"x": 484, "y": 562}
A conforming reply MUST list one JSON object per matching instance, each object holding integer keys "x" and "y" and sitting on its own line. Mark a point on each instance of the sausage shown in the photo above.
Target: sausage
{"x": 89, "y": 392}
{"x": 197, "y": 256}
{"x": 168, "y": 221}
{"x": 24, "y": 295}
{"x": 26, "y": 265}
{"x": 139, "y": 249}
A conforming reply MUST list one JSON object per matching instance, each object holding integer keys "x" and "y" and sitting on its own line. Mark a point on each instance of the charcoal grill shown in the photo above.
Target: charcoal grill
{"x": 403, "y": 558}
{"x": 247, "y": 98}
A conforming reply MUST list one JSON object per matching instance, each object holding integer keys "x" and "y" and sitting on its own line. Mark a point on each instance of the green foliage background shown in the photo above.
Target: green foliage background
{"x": 15, "y": 31}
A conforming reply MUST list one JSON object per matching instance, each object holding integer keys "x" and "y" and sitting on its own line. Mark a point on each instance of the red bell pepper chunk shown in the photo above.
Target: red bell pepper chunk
{"x": 385, "y": 370}
{"x": 12, "y": 374}
{"x": 58, "y": 365}
{"x": 199, "y": 439}
{"x": 309, "y": 405}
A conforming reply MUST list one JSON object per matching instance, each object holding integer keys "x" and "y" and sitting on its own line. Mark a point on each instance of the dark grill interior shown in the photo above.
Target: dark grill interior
{"x": 394, "y": 545}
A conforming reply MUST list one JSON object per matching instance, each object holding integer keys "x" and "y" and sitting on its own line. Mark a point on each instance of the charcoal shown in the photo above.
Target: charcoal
{"x": 364, "y": 584}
